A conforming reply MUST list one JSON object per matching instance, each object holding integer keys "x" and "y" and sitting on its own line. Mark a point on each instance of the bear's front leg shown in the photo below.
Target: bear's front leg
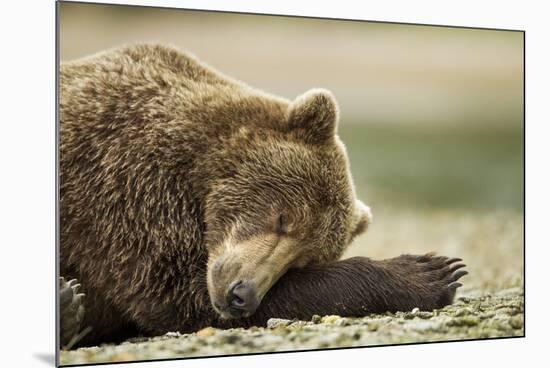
{"x": 358, "y": 286}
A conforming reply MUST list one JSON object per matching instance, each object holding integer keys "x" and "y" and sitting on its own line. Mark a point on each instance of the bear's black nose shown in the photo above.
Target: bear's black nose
{"x": 242, "y": 299}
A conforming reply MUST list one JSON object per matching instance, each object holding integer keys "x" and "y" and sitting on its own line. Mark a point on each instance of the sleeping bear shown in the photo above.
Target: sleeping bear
{"x": 189, "y": 199}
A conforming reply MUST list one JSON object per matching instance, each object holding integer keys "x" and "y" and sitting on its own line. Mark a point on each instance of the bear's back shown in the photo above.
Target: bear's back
{"x": 148, "y": 83}
{"x": 133, "y": 83}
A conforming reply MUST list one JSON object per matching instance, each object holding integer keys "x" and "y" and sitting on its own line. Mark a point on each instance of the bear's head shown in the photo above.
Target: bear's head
{"x": 286, "y": 200}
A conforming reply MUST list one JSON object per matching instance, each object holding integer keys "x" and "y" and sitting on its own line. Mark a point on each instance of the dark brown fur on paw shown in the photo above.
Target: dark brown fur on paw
{"x": 71, "y": 310}
{"x": 435, "y": 278}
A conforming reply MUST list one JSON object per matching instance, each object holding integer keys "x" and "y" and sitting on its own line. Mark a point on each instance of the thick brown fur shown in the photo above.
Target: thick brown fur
{"x": 167, "y": 167}
{"x": 358, "y": 286}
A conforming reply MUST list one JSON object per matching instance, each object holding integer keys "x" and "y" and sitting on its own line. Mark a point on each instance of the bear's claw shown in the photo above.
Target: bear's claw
{"x": 449, "y": 271}
{"x": 454, "y": 285}
{"x": 438, "y": 276}
{"x": 71, "y": 310}
{"x": 458, "y": 274}
{"x": 456, "y": 267}
{"x": 453, "y": 260}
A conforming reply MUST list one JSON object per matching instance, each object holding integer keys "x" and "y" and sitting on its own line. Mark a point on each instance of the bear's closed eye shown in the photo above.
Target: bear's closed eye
{"x": 281, "y": 225}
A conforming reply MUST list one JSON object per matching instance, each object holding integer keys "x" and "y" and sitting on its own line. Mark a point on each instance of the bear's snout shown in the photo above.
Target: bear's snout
{"x": 239, "y": 276}
{"x": 241, "y": 300}
{"x": 242, "y": 297}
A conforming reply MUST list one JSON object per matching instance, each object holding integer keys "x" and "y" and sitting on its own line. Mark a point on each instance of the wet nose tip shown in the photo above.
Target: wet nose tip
{"x": 242, "y": 296}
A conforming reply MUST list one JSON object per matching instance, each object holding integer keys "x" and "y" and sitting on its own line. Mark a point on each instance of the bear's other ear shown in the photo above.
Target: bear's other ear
{"x": 314, "y": 116}
{"x": 362, "y": 218}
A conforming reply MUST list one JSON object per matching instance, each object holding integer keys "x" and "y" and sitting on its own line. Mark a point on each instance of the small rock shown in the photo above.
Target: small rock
{"x": 281, "y": 330}
{"x": 231, "y": 339}
{"x": 316, "y": 318}
{"x": 276, "y": 322}
{"x": 372, "y": 327}
{"x": 342, "y": 322}
{"x": 172, "y": 334}
{"x": 487, "y": 315}
{"x": 206, "y": 332}
{"x": 330, "y": 319}
{"x": 299, "y": 324}
{"x": 516, "y": 321}
{"x": 464, "y": 321}
{"x": 463, "y": 312}
{"x": 425, "y": 315}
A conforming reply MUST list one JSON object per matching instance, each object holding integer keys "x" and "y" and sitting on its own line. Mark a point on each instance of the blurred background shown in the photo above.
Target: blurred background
{"x": 432, "y": 117}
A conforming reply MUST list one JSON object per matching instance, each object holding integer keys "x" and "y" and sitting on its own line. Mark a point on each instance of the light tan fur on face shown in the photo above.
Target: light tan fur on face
{"x": 260, "y": 260}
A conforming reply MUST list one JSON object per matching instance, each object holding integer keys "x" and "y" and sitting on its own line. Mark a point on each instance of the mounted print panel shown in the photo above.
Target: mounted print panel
{"x": 243, "y": 183}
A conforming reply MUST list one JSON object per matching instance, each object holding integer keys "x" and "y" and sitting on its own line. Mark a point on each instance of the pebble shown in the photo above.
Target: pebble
{"x": 342, "y": 322}
{"x": 173, "y": 334}
{"x": 316, "y": 319}
{"x": 276, "y": 322}
{"x": 206, "y": 332}
{"x": 330, "y": 319}
{"x": 516, "y": 321}
{"x": 425, "y": 315}
{"x": 372, "y": 327}
{"x": 231, "y": 339}
{"x": 464, "y": 321}
{"x": 463, "y": 312}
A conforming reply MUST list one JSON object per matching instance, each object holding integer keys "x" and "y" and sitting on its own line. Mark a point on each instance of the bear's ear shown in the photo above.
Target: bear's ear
{"x": 314, "y": 116}
{"x": 362, "y": 218}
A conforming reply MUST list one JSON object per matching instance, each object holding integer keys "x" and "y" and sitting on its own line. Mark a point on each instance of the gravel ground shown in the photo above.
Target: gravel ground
{"x": 490, "y": 304}
{"x": 471, "y": 317}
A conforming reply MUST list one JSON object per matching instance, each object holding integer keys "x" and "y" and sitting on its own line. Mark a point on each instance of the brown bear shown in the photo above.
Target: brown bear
{"x": 189, "y": 199}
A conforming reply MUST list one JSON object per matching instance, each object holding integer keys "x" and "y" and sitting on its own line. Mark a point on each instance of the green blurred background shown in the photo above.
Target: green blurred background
{"x": 432, "y": 116}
